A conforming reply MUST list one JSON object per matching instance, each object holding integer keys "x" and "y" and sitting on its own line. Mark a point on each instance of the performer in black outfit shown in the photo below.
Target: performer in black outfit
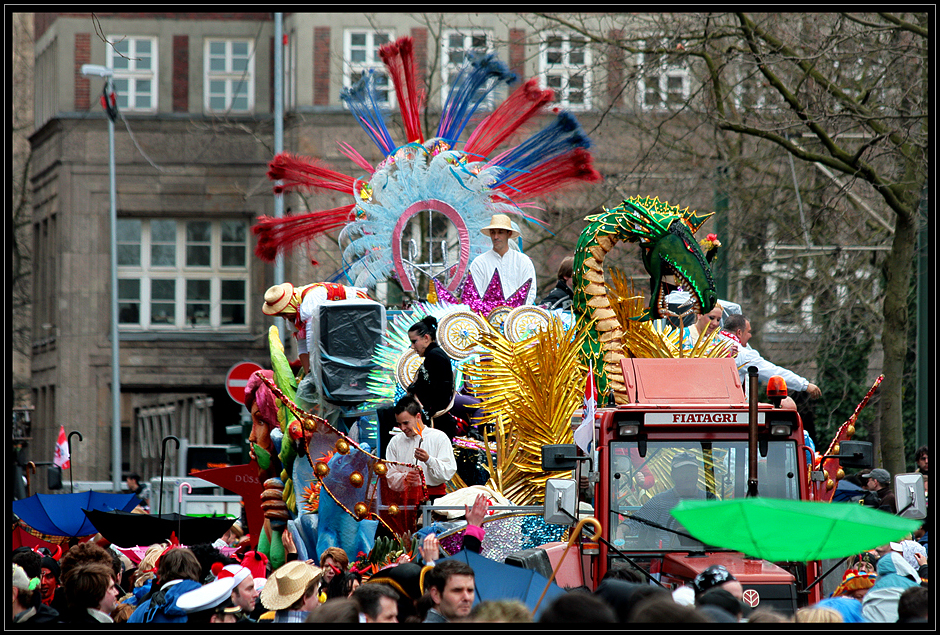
{"x": 434, "y": 384}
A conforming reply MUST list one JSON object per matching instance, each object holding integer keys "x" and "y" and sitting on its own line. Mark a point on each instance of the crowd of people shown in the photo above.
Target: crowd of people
{"x": 93, "y": 583}
{"x": 187, "y": 588}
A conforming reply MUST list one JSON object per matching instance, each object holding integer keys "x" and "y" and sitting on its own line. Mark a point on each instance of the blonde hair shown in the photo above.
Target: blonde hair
{"x": 147, "y": 569}
{"x": 811, "y": 615}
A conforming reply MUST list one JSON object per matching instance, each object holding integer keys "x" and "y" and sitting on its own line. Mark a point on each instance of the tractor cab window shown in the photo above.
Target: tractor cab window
{"x": 644, "y": 489}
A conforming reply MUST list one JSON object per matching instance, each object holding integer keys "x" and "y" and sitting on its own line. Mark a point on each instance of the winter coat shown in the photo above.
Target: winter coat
{"x": 894, "y": 576}
{"x": 161, "y": 607}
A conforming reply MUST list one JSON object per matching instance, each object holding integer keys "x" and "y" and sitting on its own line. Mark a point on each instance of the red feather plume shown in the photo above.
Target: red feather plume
{"x": 574, "y": 165}
{"x": 399, "y": 59}
{"x": 281, "y": 234}
{"x": 524, "y": 103}
{"x": 296, "y": 172}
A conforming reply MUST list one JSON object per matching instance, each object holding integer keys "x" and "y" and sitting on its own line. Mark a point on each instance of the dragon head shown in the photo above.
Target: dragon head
{"x": 665, "y": 234}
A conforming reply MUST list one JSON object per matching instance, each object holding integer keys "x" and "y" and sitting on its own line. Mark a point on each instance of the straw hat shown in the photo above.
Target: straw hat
{"x": 286, "y": 585}
{"x": 500, "y": 221}
{"x": 277, "y": 298}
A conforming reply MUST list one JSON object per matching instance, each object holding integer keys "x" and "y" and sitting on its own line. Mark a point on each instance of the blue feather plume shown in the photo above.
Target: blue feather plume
{"x": 360, "y": 98}
{"x": 469, "y": 92}
{"x": 560, "y": 136}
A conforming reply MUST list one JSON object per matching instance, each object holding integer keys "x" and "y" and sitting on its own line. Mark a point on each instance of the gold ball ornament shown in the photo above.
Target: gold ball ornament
{"x": 393, "y": 510}
{"x": 830, "y": 484}
{"x": 850, "y": 431}
{"x": 342, "y": 446}
{"x": 840, "y": 474}
{"x": 361, "y": 510}
{"x": 355, "y": 479}
{"x": 380, "y": 468}
{"x": 835, "y": 449}
{"x": 321, "y": 469}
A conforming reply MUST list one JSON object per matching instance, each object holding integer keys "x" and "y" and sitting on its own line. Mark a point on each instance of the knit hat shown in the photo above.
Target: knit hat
{"x": 286, "y": 585}
{"x": 852, "y": 580}
{"x": 20, "y": 579}
{"x": 50, "y": 563}
{"x": 257, "y": 563}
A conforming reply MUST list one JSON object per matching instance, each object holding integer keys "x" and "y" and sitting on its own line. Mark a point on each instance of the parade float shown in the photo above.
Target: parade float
{"x": 525, "y": 367}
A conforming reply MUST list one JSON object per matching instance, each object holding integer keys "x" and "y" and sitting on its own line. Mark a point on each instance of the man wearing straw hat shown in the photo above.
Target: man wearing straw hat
{"x": 291, "y": 591}
{"x": 514, "y": 267}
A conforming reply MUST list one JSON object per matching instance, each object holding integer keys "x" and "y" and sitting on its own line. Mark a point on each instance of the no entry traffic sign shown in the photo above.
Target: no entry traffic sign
{"x": 237, "y": 378}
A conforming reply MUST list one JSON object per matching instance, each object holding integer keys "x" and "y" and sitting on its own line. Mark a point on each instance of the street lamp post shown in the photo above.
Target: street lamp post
{"x": 95, "y": 70}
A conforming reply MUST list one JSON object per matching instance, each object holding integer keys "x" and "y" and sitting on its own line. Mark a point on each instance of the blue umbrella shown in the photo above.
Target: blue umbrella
{"x": 62, "y": 515}
{"x": 499, "y": 581}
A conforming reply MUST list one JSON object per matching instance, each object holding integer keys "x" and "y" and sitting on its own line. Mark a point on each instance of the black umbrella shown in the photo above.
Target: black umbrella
{"x": 127, "y": 529}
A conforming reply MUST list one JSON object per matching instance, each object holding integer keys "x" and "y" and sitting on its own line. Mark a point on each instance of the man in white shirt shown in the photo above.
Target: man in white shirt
{"x": 515, "y": 268}
{"x": 417, "y": 443}
{"x": 738, "y": 329}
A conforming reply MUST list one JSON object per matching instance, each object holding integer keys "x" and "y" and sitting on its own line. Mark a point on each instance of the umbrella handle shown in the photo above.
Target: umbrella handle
{"x": 68, "y": 441}
{"x": 162, "y": 461}
{"x": 189, "y": 490}
{"x": 575, "y": 533}
{"x": 30, "y": 467}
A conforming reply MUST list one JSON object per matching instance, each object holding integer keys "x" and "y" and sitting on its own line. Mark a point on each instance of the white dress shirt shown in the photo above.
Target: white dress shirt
{"x": 440, "y": 466}
{"x": 514, "y": 269}
{"x": 748, "y": 356}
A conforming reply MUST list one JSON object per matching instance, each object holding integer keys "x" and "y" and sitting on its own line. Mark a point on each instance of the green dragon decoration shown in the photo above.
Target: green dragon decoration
{"x": 665, "y": 234}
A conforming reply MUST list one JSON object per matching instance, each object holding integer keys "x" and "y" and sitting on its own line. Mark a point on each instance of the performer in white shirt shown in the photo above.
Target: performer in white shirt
{"x": 738, "y": 329}
{"x": 417, "y": 443}
{"x": 515, "y": 268}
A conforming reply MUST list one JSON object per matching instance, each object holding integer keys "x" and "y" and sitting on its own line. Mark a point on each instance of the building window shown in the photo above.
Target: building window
{"x": 182, "y": 274}
{"x": 360, "y": 55}
{"x": 663, "y": 85}
{"x": 134, "y": 62}
{"x": 565, "y": 67}
{"x": 455, "y": 44}
{"x": 230, "y": 76}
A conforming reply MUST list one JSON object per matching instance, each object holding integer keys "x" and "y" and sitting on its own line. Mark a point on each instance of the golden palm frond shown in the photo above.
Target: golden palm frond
{"x": 530, "y": 391}
{"x": 653, "y": 339}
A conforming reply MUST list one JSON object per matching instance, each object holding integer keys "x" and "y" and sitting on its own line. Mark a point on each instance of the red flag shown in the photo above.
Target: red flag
{"x": 61, "y": 456}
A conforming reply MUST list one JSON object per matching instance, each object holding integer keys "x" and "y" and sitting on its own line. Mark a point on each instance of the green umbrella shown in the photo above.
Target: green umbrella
{"x": 781, "y": 530}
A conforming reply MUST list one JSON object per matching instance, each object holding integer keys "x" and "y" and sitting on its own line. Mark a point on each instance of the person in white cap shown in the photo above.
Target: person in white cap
{"x": 515, "y": 268}
{"x": 211, "y": 603}
{"x": 243, "y": 592}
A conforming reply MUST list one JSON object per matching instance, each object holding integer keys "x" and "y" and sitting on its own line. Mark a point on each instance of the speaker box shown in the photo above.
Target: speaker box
{"x": 534, "y": 559}
{"x": 348, "y": 332}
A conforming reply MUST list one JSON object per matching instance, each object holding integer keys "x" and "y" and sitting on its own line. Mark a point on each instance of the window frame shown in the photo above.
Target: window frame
{"x": 231, "y": 77}
{"x": 567, "y": 70}
{"x": 664, "y": 71}
{"x": 146, "y": 273}
{"x": 133, "y": 74}
{"x": 372, "y": 62}
{"x": 448, "y": 67}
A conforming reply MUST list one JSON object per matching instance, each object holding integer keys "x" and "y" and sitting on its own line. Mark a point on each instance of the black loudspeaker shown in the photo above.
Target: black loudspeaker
{"x": 349, "y": 331}
{"x": 535, "y": 559}
{"x": 54, "y": 477}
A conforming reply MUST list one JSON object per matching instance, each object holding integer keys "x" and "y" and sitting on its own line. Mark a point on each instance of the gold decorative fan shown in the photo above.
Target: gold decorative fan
{"x": 407, "y": 368}
{"x": 523, "y": 322}
{"x": 459, "y": 332}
